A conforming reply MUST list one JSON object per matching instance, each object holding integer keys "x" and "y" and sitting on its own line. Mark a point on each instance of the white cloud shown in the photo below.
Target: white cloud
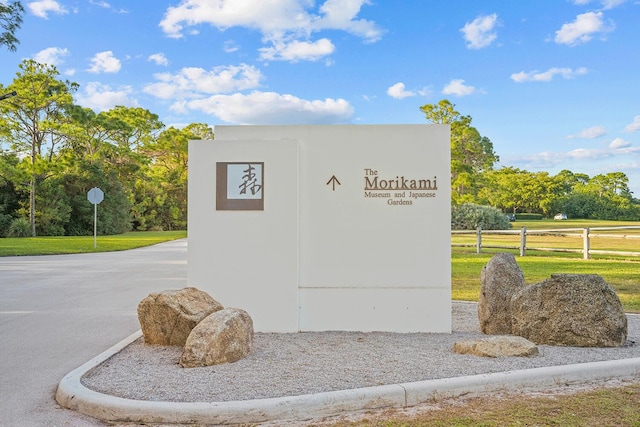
{"x": 193, "y": 82}
{"x": 619, "y": 143}
{"x": 230, "y": 46}
{"x": 610, "y": 4}
{"x": 582, "y": 29}
{"x": 270, "y": 108}
{"x": 107, "y": 5}
{"x": 547, "y": 76}
{"x": 480, "y": 32}
{"x": 104, "y": 62}
{"x": 267, "y": 17}
{"x": 102, "y": 4}
{"x": 282, "y": 23}
{"x": 549, "y": 159}
{"x": 159, "y": 59}
{"x": 620, "y": 147}
{"x": 458, "y": 88}
{"x": 273, "y": 17}
{"x": 633, "y": 126}
{"x": 398, "y": 91}
{"x": 341, "y": 15}
{"x": 51, "y": 56}
{"x": 100, "y": 97}
{"x": 585, "y": 153}
{"x": 41, "y": 8}
{"x": 297, "y": 50}
{"x": 588, "y": 133}
{"x": 606, "y": 4}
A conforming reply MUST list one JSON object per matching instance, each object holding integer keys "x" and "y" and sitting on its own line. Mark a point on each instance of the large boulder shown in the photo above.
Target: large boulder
{"x": 500, "y": 279}
{"x": 497, "y": 346}
{"x": 579, "y": 310}
{"x": 223, "y": 337}
{"x": 167, "y": 317}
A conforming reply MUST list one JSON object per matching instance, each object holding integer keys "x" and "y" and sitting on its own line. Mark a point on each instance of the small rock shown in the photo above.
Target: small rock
{"x": 223, "y": 337}
{"x": 497, "y": 346}
{"x": 167, "y": 317}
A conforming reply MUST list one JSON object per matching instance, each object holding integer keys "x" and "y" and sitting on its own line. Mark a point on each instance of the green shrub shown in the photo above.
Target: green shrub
{"x": 5, "y": 223}
{"x": 20, "y": 227}
{"x": 528, "y": 216}
{"x": 469, "y": 216}
{"x": 52, "y": 208}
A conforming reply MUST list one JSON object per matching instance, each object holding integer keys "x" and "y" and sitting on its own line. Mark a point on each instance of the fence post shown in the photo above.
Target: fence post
{"x": 523, "y": 241}
{"x": 586, "y": 245}
{"x": 479, "y": 240}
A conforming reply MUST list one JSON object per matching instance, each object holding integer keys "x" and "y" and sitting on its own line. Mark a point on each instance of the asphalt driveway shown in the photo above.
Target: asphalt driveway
{"x": 57, "y": 312}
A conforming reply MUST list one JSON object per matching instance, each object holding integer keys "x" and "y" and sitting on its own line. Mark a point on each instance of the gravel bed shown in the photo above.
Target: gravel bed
{"x": 313, "y": 362}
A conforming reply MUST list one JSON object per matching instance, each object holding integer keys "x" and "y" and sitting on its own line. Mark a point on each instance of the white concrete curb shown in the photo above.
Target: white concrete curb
{"x": 73, "y": 395}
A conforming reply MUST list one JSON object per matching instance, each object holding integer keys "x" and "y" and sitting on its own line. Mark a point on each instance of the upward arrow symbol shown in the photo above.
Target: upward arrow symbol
{"x": 333, "y": 181}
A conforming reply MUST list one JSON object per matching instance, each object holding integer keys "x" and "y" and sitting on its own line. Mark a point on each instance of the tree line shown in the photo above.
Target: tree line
{"x": 52, "y": 152}
{"x": 474, "y": 180}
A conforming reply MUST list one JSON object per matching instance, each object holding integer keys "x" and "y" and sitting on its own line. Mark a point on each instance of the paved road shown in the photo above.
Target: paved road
{"x": 57, "y": 312}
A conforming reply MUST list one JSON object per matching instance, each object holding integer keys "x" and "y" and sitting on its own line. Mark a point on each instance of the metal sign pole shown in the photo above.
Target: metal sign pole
{"x": 95, "y": 225}
{"x": 95, "y": 196}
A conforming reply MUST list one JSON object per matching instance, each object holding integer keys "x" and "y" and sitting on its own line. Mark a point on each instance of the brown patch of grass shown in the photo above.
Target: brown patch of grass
{"x": 604, "y": 406}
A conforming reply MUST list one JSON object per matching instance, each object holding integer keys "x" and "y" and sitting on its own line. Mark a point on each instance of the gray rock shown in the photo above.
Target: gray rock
{"x": 167, "y": 317}
{"x": 497, "y": 346}
{"x": 579, "y": 310}
{"x": 223, "y": 337}
{"x": 500, "y": 279}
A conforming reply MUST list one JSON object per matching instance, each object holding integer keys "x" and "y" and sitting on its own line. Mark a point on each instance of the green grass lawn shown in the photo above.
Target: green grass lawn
{"x": 84, "y": 244}
{"x": 621, "y": 272}
{"x": 622, "y": 275}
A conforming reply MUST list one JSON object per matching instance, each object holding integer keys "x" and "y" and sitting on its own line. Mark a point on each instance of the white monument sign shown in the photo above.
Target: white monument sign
{"x": 313, "y": 228}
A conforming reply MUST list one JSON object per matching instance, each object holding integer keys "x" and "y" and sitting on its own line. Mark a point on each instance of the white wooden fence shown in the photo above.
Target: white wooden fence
{"x": 585, "y": 233}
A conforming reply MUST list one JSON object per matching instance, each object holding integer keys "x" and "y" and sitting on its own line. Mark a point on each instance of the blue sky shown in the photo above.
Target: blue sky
{"x": 555, "y": 84}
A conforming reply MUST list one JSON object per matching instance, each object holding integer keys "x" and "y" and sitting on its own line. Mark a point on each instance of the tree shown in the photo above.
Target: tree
{"x": 199, "y": 131}
{"x": 611, "y": 185}
{"x": 130, "y": 129}
{"x": 578, "y": 205}
{"x": 610, "y": 198}
{"x": 31, "y": 122}
{"x": 601, "y": 197}
{"x": 54, "y": 211}
{"x": 165, "y": 191}
{"x": 9, "y": 195}
{"x": 567, "y": 180}
{"x": 91, "y": 136}
{"x": 515, "y": 190}
{"x": 10, "y": 21}
{"x": 471, "y": 153}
